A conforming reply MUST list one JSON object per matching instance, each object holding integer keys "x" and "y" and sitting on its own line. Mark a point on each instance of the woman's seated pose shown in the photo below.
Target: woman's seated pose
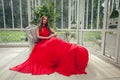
{"x": 51, "y": 55}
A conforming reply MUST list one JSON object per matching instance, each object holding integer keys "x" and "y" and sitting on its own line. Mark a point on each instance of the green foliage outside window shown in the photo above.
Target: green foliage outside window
{"x": 46, "y": 9}
{"x": 114, "y": 14}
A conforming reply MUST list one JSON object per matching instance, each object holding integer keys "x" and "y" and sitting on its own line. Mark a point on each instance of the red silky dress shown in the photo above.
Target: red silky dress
{"x": 54, "y": 55}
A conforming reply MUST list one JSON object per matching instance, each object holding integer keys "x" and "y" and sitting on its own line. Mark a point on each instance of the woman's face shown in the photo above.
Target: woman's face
{"x": 44, "y": 20}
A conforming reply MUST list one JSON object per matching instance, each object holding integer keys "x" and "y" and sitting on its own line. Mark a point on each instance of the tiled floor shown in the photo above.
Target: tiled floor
{"x": 97, "y": 69}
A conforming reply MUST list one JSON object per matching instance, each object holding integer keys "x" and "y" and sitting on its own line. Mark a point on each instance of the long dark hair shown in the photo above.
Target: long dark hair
{"x": 41, "y": 23}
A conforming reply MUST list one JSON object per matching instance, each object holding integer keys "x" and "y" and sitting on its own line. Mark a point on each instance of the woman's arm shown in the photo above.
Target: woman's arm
{"x": 53, "y": 32}
{"x": 40, "y": 37}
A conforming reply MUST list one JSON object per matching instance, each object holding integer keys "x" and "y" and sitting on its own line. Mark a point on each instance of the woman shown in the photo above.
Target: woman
{"x": 51, "y": 55}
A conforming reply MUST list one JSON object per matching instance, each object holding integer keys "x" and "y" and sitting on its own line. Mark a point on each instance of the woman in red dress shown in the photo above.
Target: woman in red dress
{"x": 51, "y": 55}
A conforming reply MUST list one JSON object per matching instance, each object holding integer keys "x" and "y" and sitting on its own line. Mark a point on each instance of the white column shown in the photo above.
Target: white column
{"x": 98, "y": 15}
{"x": 54, "y": 12}
{"x": 39, "y": 3}
{"x": 87, "y": 15}
{"x": 104, "y": 26}
{"x": 78, "y": 21}
{"x": 3, "y": 14}
{"x": 21, "y": 15}
{"x": 117, "y": 53}
{"x": 76, "y": 10}
{"x": 92, "y": 15}
{"x": 69, "y": 14}
{"x": 29, "y": 12}
{"x": 81, "y": 12}
{"x": 83, "y": 15}
{"x": 12, "y": 14}
{"x": 108, "y": 7}
{"x": 118, "y": 56}
{"x": 61, "y": 14}
{"x": 72, "y": 11}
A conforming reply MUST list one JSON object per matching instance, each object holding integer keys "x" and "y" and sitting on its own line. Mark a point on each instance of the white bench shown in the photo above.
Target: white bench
{"x": 31, "y": 35}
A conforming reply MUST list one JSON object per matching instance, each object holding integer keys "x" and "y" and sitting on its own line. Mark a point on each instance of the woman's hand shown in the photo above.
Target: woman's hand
{"x": 52, "y": 35}
{"x": 42, "y": 37}
{"x": 53, "y": 32}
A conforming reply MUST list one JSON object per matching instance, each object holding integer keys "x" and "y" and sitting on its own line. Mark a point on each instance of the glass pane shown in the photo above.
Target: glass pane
{"x": 1, "y": 15}
{"x": 8, "y": 13}
{"x": 58, "y": 7}
{"x": 112, "y": 16}
{"x": 110, "y": 44}
{"x": 16, "y": 13}
{"x": 10, "y": 36}
{"x": 85, "y": 16}
{"x": 24, "y": 13}
{"x": 95, "y": 7}
{"x": 89, "y": 13}
{"x": 101, "y": 14}
{"x": 65, "y": 13}
{"x": 32, "y": 7}
{"x": 69, "y": 35}
{"x": 110, "y": 5}
{"x": 92, "y": 40}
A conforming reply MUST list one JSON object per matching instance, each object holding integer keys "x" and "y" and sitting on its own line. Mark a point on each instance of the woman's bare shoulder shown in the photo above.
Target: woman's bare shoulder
{"x": 37, "y": 27}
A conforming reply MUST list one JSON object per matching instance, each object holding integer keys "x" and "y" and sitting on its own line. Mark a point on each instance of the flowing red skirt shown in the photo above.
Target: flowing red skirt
{"x": 55, "y": 55}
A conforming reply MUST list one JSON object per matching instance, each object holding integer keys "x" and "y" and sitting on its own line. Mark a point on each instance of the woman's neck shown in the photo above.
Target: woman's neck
{"x": 43, "y": 24}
